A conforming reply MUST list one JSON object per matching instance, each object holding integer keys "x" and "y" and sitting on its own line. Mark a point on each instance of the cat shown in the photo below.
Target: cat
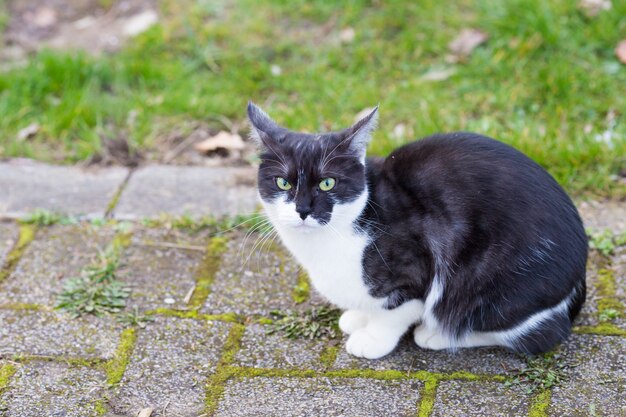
{"x": 459, "y": 234}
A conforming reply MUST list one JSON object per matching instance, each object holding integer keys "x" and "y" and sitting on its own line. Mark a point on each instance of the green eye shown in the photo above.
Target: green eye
{"x": 283, "y": 184}
{"x": 327, "y": 184}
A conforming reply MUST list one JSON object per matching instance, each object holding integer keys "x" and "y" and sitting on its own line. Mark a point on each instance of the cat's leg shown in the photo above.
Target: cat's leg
{"x": 428, "y": 337}
{"x": 352, "y": 320}
{"x": 383, "y": 330}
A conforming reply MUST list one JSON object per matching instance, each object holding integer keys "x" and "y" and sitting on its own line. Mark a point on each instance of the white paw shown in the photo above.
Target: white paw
{"x": 365, "y": 345}
{"x": 428, "y": 338}
{"x": 352, "y": 320}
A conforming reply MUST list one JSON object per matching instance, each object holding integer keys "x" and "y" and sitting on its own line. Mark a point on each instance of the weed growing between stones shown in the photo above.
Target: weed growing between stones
{"x": 135, "y": 319}
{"x": 41, "y": 217}
{"x": 317, "y": 323}
{"x": 605, "y": 241}
{"x": 608, "y": 314}
{"x": 214, "y": 225}
{"x": 97, "y": 290}
{"x": 541, "y": 373}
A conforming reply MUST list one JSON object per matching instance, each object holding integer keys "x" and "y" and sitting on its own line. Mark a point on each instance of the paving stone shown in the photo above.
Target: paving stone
{"x": 57, "y": 252}
{"x": 253, "y": 280}
{"x": 584, "y": 398}
{"x": 409, "y": 357}
{"x": 600, "y": 215}
{"x": 170, "y": 366}
{"x": 344, "y": 397}
{"x": 590, "y": 314}
{"x": 161, "y": 276}
{"x": 479, "y": 399}
{"x": 619, "y": 269}
{"x": 260, "y": 350}
{"x": 197, "y": 191}
{"x": 56, "y": 334}
{"x": 594, "y": 356}
{"x": 27, "y": 185}
{"x": 53, "y": 389}
{"x": 597, "y": 379}
{"x": 9, "y": 233}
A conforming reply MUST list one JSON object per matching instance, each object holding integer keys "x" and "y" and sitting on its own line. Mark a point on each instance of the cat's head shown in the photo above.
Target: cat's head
{"x": 310, "y": 182}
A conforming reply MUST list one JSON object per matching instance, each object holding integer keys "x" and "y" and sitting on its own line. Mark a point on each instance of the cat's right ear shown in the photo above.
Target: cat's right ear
{"x": 264, "y": 130}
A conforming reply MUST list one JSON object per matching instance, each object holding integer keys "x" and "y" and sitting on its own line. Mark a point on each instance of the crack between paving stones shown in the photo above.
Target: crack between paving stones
{"x": 540, "y": 404}
{"x": 108, "y": 214}
{"x": 216, "y": 383}
{"x": 26, "y": 236}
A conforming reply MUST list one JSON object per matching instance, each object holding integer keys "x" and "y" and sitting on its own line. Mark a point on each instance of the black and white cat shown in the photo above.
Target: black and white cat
{"x": 459, "y": 233}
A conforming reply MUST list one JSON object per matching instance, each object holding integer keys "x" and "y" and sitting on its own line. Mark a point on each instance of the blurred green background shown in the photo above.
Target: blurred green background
{"x": 547, "y": 79}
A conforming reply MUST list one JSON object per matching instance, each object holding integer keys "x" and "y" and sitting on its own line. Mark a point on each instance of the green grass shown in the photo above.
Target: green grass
{"x": 546, "y": 81}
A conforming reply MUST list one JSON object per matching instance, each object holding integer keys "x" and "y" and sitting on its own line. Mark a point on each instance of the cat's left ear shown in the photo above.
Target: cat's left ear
{"x": 358, "y": 135}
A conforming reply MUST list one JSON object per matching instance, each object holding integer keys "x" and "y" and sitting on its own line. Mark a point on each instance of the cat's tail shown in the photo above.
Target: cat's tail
{"x": 544, "y": 330}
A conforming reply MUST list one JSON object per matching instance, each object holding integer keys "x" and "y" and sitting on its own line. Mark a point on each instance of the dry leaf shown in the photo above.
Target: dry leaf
{"x": 591, "y": 8}
{"x": 223, "y": 140}
{"x": 28, "y": 132}
{"x": 467, "y": 41}
{"x": 44, "y": 17}
{"x": 146, "y": 412}
{"x": 347, "y": 35}
{"x": 276, "y": 70}
{"x": 438, "y": 74}
{"x": 620, "y": 51}
{"x": 140, "y": 22}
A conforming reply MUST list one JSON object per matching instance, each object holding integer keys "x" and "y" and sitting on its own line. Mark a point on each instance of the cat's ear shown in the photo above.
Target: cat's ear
{"x": 263, "y": 129}
{"x": 357, "y": 136}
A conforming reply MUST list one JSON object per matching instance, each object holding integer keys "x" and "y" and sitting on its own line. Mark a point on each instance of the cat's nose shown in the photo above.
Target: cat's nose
{"x": 304, "y": 212}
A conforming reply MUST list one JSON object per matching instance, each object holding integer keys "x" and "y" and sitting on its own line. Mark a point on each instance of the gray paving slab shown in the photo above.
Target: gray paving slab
{"x": 600, "y": 215}
{"x": 161, "y": 276}
{"x": 409, "y": 357}
{"x": 53, "y": 389}
{"x": 197, "y": 191}
{"x": 260, "y": 350}
{"x": 170, "y": 366}
{"x": 28, "y": 185}
{"x": 253, "y": 280}
{"x": 619, "y": 269}
{"x": 479, "y": 399}
{"x": 597, "y": 379}
{"x": 292, "y": 397}
{"x": 9, "y": 234}
{"x": 57, "y": 252}
{"x": 25, "y": 332}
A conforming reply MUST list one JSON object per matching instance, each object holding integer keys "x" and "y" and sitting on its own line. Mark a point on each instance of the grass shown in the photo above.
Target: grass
{"x": 547, "y": 81}
{"x": 317, "y": 323}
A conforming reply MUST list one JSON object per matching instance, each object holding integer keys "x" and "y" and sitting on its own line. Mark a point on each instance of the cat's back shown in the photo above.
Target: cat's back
{"x": 463, "y": 169}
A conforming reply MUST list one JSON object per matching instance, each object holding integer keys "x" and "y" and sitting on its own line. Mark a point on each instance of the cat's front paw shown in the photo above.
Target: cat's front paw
{"x": 352, "y": 320}
{"x": 428, "y": 338}
{"x": 364, "y": 344}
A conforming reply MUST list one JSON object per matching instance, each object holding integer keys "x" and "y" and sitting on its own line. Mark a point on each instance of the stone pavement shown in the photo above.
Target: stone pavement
{"x": 206, "y": 300}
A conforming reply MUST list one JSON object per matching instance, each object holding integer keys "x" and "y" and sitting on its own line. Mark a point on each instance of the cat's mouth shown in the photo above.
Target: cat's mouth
{"x": 306, "y": 225}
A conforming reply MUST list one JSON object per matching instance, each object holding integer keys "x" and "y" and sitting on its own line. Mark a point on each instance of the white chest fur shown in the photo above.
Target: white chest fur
{"x": 333, "y": 259}
{"x": 332, "y": 254}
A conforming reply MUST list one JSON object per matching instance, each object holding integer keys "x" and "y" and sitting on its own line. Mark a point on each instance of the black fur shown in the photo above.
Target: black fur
{"x": 511, "y": 236}
{"x": 501, "y": 234}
